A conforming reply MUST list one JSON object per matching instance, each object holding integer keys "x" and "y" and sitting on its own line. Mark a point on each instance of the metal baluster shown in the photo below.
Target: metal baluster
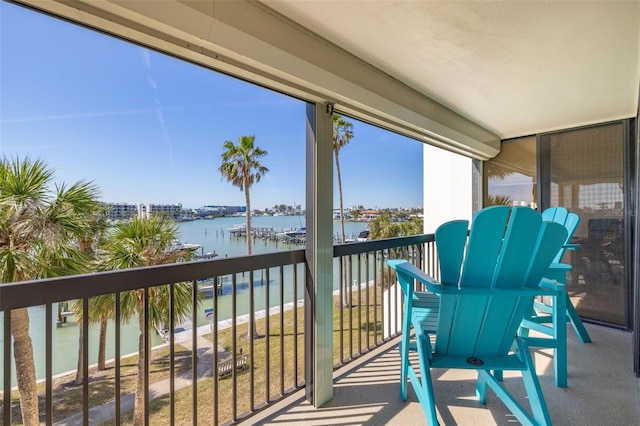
{"x": 7, "y": 368}
{"x": 117, "y": 357}
{"x": 49, "y": 364}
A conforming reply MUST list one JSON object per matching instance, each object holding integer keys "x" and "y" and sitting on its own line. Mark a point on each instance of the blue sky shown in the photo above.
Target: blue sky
{"x": 148, "y": 128}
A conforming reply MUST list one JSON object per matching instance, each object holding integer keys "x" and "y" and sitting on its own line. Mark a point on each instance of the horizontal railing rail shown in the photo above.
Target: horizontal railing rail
{"x": 375, "y": 245}
{"x": 255, "y": 320}
{"x": 39, "y": 292}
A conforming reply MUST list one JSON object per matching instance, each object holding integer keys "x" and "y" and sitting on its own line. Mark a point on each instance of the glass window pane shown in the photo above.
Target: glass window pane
{"x": 511, "y": 175}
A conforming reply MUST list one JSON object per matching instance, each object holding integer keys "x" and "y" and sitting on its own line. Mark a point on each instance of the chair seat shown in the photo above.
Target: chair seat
{"x": 509, "y": 362}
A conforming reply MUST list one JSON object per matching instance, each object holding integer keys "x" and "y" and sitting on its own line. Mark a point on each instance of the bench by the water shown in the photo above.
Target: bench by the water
{"x": 225, "y": 367}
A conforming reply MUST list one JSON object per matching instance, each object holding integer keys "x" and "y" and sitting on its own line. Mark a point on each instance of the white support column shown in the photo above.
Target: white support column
{"x": 319, "y": 254}
{"x": 448, "y": 191}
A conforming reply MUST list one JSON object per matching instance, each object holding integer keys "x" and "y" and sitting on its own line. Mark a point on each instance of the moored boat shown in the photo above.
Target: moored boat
{"x": 177, "y": 245}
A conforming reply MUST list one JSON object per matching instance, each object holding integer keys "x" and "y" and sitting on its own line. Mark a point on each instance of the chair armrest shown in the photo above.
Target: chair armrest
{"x": 394, "y": 262}
{"x": 403, "y": 266}
{"x": 485, "y": 291}
{"x": 433, "y": 286}
{"x": 560, "y": 267}
{"x": 551, "y": 285}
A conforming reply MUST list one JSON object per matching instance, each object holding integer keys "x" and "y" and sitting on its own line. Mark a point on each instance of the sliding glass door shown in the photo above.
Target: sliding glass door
{"x": 584, "y": 171}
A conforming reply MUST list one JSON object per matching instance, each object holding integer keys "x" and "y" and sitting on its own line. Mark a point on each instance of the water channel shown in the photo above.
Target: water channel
{"x": 214, "y": 237}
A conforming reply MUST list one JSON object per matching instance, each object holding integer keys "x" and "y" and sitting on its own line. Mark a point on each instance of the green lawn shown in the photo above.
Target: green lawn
{"x": 279, "y": 346}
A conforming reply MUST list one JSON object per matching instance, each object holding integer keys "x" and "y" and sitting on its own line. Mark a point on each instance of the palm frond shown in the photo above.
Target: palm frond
{"x": 139, "y": 243}
{"x": 41, "y": 223}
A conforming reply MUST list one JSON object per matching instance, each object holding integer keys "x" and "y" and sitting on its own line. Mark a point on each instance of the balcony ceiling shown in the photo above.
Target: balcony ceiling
{"x": 515, "y": 68}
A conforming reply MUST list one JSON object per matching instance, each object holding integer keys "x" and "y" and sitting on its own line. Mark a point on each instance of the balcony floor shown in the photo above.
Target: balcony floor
{"x": 602, "y": 390}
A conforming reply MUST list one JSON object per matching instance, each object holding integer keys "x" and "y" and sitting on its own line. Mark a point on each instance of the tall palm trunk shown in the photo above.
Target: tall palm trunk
{"x": 139, "y": 404}
{"x": 25, "y": 367}
{"x": 346, "y": 301}
{"x": 80, "y": 370}
{"x": 102, "y": 344}
{"x": 247, "y": 199}
{"x": 342, "y": 234}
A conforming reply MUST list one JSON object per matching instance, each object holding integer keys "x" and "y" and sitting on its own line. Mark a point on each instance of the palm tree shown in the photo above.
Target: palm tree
{"x": 139, "y": 243}
{"x": 383, "y": 227}
{"x": 101, "y": 308}
{"x": 380, "y": 228}
{"x": 40, "y": 225}
{"x": 413, "y": 226}
{"x": 88, "y": 244}
{"x": 499, "y": 200}
{"x": 242, "y": 167}
{"x": 342, "y": 135}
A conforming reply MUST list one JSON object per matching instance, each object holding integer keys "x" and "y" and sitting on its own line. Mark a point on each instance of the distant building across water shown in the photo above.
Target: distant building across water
{"x": 213, "y": 211}
{"x": 125, "y": 211}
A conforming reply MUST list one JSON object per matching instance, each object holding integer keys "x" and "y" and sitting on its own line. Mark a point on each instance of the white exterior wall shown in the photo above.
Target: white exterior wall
{"x": 447, "y": 187}
{"x": 142, "y": 211}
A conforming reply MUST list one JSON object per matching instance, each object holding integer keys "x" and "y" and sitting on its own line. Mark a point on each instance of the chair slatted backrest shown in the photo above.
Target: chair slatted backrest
{"x": 506, "y": 249}
{"x": 569, "y": 220}
{"x": 452, "y": 240}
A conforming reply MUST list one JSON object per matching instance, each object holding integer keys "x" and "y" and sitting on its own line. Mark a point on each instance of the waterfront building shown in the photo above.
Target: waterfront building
{"x": 121, "y": 211}
{"x": 171, "y": 211}
{"x": 207, "y": 212}
{"x": 369, "y": 215}
{"x": 224, "y": 210}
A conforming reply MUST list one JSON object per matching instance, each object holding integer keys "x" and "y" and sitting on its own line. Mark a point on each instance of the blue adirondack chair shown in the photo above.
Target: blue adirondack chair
{"x": 551, "y": 320}
{"x": 488, "y": 282}
{"x": 558, "y": 271}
